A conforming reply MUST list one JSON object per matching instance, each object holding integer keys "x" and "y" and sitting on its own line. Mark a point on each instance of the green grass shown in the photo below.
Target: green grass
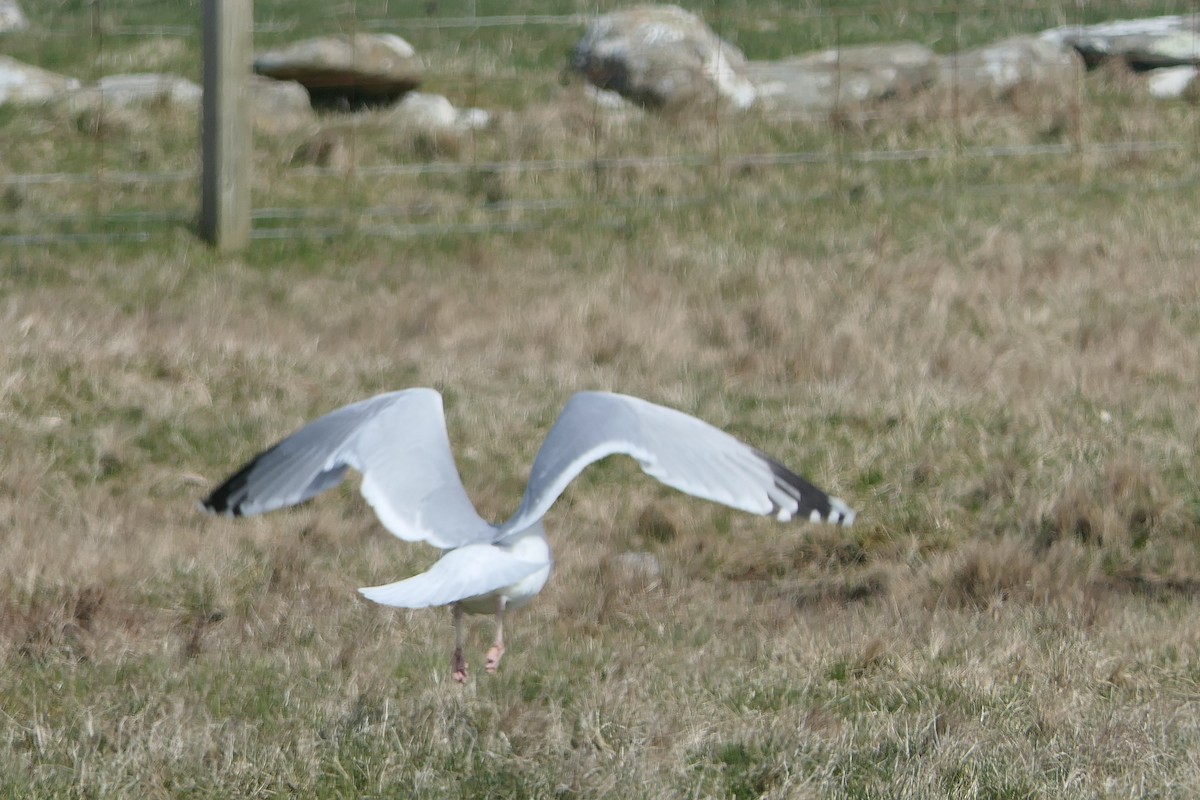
{"x": 993, "y": 359}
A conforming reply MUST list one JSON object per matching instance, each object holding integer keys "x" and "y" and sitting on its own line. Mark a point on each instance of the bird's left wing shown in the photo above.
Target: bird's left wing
{"x": 681, "y": 451}
{"x": 396, "y": 440}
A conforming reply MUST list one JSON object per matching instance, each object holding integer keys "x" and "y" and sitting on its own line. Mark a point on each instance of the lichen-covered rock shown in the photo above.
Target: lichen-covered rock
{"x": 821, "y": 82}
{"x": 347, "y": 71}
{"x": 662, "y": 57}
{"x": 999, "y": 67}
{"x": 138, "y": 89}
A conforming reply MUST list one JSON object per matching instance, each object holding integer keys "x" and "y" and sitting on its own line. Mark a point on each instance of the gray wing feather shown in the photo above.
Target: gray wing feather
{"x": 397, "y": 441}
{"x": 679, "y": 450}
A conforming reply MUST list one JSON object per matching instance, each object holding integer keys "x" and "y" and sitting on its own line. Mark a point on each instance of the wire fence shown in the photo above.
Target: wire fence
{"x": 81, "y": 170}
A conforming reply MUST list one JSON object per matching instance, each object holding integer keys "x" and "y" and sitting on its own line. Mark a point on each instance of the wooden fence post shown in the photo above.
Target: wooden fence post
{"x": 225, "y": 130}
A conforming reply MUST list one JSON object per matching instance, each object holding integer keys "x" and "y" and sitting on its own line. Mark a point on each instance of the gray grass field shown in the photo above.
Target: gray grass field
{"x": 995, "y": 362}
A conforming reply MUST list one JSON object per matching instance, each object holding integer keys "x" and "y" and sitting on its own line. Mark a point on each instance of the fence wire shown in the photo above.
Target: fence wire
{"x": 103, "y": 172}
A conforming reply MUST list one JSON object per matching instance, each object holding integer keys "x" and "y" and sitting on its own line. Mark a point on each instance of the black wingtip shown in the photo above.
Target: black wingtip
{"x": 812, "y": 503}
{"x": 227, "y": 498}
{"x": 219, "y": 502}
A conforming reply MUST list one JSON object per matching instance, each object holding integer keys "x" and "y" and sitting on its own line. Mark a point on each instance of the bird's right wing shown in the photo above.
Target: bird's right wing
{"x": 470, "y": 571}
{"x": 397, "y": 441}
{"x": 682, "y": 451}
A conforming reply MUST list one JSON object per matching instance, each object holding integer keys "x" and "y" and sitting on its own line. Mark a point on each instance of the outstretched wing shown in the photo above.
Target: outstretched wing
{"x": 683, "y": 452}
{"x": 470, "y": 571}
{"x": 397, "y": 441}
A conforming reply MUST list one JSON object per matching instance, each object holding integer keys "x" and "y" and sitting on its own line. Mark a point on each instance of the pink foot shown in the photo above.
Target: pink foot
{"x": 493, "y": 658}
{"x": 459, "y": 667}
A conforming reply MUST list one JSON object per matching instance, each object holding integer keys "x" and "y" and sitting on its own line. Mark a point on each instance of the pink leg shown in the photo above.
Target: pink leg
{"x": 459, "y": 664}
{"x": 494, "y": 655}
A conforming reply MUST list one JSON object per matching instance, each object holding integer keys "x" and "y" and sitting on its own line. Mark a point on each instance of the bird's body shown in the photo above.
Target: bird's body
{"x": 531, "y": 546}
{"x": 398, "y": 442}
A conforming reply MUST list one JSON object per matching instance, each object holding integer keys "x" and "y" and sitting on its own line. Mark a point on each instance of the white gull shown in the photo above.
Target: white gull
{"x": 398, "y": 442}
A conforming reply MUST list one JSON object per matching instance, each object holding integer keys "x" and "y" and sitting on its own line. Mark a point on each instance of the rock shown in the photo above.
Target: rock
{"x": 633, "y": 570}
{"x": 425, "y": 111}
{"x": 1143, "y": 43}
{"x": 279, "y": 106}
{"x": 432, "y": 126}
{"x": 1000, "y": 67}
{"x": 616, "y": 112}
{"x": 348, "y": 72}
{"x": 474, "y": 119}
{"x": 432, "y": 112}
{"x": 662, "y": 57}
{"x": 610, "y": 101}
{"x": 11, "y": 17}
{"x": 22, "y": 83}
{"x": 135, "y": 89}
{"x": 821, "y": 82}
{"x": 147, "y": 87}
{"x": 1169, "y": 83}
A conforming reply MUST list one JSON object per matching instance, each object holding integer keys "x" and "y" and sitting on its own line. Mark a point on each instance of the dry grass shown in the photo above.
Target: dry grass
{"x": 1002, "y": 382}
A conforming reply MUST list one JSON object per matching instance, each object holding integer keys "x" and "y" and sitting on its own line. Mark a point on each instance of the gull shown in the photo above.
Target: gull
{"x": 398, "y": 441}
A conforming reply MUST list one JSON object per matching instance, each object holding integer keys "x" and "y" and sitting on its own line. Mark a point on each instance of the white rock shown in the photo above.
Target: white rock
{"x": 11, "y": 17}
{"x": 279, "y": 106}
{"x": 473, "y": 119}
{"x": 1144, "y": 43}
{"x": 662, "y": 57}
{"x": 1170, "y": 82}
{"x": 605, "y": 98}
{"x": 819, "y": 82}
{"x": 435, "y": 112}
{"x": 1002, "y": 65}
{"x": 427, "y": 110}
{"x": 24, "y": 83}
{"x": 120, "y": 91}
